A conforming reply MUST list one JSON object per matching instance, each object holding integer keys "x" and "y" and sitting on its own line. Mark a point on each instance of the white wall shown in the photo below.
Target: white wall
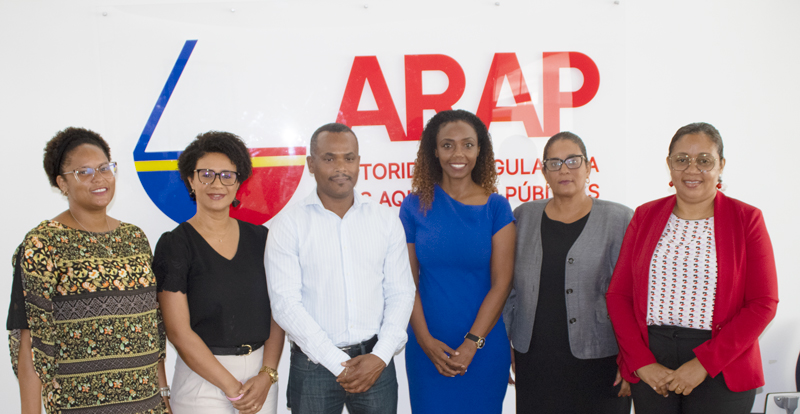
{"x": 272, "y": 71}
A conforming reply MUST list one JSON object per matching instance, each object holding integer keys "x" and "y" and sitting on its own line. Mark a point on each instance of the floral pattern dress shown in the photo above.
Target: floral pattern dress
{"x": 89, "y": 300}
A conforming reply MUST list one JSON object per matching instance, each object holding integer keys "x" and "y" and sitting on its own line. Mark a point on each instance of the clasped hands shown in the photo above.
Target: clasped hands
{"x": 360, "y": 373}
{"x": 254, "y": 393}
{"x": 449, "y": 362}
{"x": 680, "y": 381}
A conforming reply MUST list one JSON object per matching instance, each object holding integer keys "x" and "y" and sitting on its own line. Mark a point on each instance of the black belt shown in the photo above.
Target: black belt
{"x": 362, "y": 348}
{"x": 245, "y": 349}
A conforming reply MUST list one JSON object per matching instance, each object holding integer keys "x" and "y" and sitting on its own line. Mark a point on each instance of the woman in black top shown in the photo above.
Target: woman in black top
{"x": 213, "y": 291}
{"x": 563, "y": 343}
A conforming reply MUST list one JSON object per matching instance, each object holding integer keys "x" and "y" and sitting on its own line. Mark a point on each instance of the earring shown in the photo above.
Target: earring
{"x": 719, "y": 184}
{"x": 671, "y": 185}
{"x": 587, "y": 180}
{"x": 236, "y": 202}
{"x": 191, "y": 192}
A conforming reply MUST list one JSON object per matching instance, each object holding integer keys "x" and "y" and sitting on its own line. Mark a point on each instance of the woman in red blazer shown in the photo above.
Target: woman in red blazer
{"x": 694, "y": 287}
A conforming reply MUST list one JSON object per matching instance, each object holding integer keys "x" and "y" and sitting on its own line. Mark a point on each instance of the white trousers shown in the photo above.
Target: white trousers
{"x": 191, "y": 394}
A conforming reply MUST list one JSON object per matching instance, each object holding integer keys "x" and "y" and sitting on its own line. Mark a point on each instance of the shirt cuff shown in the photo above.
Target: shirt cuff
{"x": 333, "y": 360}
{"x": 384, "y": 350}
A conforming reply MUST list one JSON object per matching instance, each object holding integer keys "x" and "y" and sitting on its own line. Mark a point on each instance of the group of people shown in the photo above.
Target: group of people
{"x": 586, "y": 301}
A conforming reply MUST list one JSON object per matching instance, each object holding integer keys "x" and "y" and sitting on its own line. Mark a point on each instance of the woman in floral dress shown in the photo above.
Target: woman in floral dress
{"x": 85, "y": 330}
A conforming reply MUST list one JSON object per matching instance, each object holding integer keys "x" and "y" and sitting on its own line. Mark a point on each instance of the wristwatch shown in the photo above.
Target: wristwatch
{"x": 164, "y": 392}
{"x": 479, "y": 340}
{"x": 272, "y": 372}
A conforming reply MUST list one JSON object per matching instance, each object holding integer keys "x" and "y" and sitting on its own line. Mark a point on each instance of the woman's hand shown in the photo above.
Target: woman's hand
{"x": 653, "y": 375}
{"x": 625, "y": 388}
{"x": 464, "y": 355}
{"x": 255, "y": 392}
{"x": 686, "y": 378}
{"x": 442, "y": 356}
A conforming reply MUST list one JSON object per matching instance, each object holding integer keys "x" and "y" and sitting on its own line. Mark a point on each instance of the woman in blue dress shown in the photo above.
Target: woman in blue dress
{"x": 460, "y": 236}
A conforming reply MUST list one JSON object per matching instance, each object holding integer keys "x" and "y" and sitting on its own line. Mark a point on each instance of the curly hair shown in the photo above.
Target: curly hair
{"x": 428, "y": 170}
{"x": 224, "y": 143}
{"x": 57, "y": 151}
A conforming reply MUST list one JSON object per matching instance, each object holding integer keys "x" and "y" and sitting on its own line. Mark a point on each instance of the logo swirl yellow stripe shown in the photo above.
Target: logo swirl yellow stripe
{"x": 271, "y": 161}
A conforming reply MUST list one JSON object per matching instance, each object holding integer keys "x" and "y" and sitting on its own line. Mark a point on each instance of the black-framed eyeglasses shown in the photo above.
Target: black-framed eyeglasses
{"x": 107, "y": 170}
{"x": 554, "y": 164}
{"x": 207, "y": 176}
{"x": 681, "y": 162}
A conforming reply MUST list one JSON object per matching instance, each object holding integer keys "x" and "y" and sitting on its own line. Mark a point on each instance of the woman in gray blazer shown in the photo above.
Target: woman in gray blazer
{"x": 563, "y": 345}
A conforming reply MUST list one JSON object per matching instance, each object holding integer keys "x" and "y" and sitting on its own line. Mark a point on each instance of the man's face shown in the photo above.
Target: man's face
{"x": 334, "y": 163}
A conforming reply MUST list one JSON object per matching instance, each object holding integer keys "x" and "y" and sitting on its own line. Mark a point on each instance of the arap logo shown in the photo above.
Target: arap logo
{"x": 504, "y": 66}
{"x": 276, "y": 171}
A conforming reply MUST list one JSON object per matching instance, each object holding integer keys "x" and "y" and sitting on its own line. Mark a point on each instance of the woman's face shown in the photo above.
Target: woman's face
{"x": 698, "y": 181}
{"x": 566, "y": 182}
{"x": 214, "y": 196}
{"x": 87, "y": 191}
{"x": 457, "y": 149}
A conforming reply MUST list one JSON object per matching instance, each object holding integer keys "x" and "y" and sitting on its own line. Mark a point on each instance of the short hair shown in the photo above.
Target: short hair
{"x": 334, "y": 127}
{"x": 428, "y": 170}
{"x": 698, "y": 128}
{"x": 569, "y": 136}
{"x": 58, "y": 150}
{"x": 224, "y": 143}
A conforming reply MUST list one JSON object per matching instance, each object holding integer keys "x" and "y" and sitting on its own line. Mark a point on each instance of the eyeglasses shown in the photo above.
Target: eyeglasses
{"x": 207, "y": 177}
{"x": 554, "y": 164}
{"x": 107, "y": 170}
{"x": 681, "y": 162}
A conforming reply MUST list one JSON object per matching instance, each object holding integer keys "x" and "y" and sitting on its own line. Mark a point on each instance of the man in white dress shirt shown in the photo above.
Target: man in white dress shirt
{"x": 340, "y": 285}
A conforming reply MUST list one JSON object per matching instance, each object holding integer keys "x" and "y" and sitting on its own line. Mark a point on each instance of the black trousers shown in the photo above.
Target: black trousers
{"x": 672, "y": 347}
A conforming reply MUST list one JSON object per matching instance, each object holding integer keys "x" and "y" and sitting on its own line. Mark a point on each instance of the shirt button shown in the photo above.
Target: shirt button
{"x": 569, "y": 291}
{"x": 571, "y": 260}
{"x": 573, "y": 320}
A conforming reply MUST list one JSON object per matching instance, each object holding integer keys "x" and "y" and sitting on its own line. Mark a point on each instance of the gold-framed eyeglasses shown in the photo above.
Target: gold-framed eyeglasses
{"x": 208, "y": 177}
{"x": 106, "y": 170}
{"x": 703, "y": 161}
{"x": 554, "y": 164}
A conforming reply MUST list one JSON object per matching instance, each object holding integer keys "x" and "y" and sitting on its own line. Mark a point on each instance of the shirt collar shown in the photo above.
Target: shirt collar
{"x": 313, "y": 198}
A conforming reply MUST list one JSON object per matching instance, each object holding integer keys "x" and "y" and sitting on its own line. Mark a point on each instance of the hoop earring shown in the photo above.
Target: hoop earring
{"x": 671, "y": 185}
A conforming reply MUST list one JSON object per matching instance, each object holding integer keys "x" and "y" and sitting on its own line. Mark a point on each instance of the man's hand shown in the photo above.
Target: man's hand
{"x": 360, "y": 373}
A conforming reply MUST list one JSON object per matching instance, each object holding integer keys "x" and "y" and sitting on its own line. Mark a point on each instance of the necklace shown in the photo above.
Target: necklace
{"x": 84, "y": 227}
{"x": 225, "y": 234}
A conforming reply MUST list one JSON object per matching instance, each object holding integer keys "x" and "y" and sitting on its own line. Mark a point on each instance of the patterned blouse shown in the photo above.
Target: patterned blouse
{"x": 90, "y": 304}
{"x": 683, "y": 275}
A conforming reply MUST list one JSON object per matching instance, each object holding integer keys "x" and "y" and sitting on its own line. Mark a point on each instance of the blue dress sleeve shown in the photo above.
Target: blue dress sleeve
{"x": 501, "y": 212}
{"x": 408, "y": 211}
